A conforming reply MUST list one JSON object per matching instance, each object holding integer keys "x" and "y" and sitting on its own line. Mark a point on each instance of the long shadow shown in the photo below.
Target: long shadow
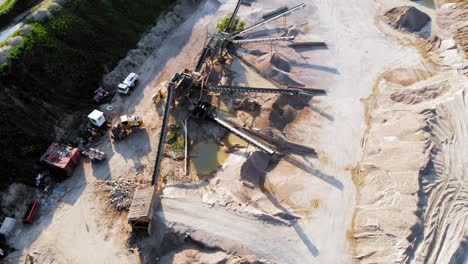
{"x": 317, "y": 67}
{"x": 322, "y": 113}
{"x": 426, "y": 176}
{"x": 298, "y": 149}
{"x": 163, "y": 242}
{"x": 74, "y": 186}
{"x": 101, "y": 168}
{"x": 283, "y": 145}
{"x": 317, "y": 173}
{"x": 261, "y": 163}
{"x": 187, "y": 186}
{"x": 299, "y": 48}
{"x": 300, "y": 232}
{"x": 134, "y": 148}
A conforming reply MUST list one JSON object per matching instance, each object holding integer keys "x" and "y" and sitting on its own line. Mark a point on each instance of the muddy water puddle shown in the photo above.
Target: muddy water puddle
{"x": 233, "y": 140}
{"x": 208, "y": 156}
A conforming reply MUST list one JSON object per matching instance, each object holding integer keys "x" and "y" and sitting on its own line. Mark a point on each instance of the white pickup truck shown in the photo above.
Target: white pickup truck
{"x": 129, "y": 82}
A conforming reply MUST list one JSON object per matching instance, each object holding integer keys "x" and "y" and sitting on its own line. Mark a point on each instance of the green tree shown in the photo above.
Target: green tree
{"x": 236, "y": 26}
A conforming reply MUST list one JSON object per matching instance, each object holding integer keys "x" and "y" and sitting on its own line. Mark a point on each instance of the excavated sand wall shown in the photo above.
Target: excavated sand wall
{"x": 412, "y": 202}
{"x": 454, "y": 17}
{"x": 413, "y": 199}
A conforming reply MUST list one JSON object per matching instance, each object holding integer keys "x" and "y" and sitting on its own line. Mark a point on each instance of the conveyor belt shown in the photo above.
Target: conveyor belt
{"x": 201, "y": 60}
{"x": 290, "y": 91}
{"x": 233, "y": 17}
{"x": 241, "y": 41}
{"x": 162, "y": 137}
{"x": 242, "y": 135}
{"x": 268, "y": 20}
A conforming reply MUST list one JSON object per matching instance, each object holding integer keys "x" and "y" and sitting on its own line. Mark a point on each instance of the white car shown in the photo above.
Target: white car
{"x": 129, "y": 82}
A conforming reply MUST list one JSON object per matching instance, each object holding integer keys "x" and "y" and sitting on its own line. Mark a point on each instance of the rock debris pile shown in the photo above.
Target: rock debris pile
{"x": 121, "y": 193}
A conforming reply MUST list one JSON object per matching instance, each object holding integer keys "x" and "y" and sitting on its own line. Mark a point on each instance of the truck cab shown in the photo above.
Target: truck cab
{"x": 129, "y": 82}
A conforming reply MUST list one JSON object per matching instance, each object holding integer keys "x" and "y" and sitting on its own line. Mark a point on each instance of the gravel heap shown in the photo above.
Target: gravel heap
{"x": 121, "y": 193}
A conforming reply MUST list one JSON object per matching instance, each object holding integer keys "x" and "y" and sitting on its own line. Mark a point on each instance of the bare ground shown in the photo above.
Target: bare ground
{"x": 411, "y": 180}
{"x": 297, "y": 210}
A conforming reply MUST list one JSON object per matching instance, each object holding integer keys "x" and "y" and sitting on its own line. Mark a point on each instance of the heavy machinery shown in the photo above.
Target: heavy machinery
{"x": 193, "y": 88}
{"x": 94, "y": 154}
{"x": 127, "y": 125}
{"x": 193, "y": 85}
{"x": 204, "y": 110}
{"x": 161, "y": 93}
{"x": 103, "y": 95}
{"x": 217, "y": 44}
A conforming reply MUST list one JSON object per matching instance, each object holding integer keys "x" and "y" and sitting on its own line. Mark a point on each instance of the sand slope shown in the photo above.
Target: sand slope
{"x": 412, "y": 201}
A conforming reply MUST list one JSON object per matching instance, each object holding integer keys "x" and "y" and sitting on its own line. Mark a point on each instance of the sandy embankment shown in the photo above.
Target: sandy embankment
{"x": 412, "y": 179}
{"x": 318, "y": 190}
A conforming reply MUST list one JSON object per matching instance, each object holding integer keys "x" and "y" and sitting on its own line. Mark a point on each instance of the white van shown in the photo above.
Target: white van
{"x": 129, "y": 82}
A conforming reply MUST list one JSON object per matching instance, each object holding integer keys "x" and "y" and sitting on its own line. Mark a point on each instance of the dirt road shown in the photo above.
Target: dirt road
{"x": 73, "y": 223}
{"x": 240, "y": 233}
{"x": 320, "y": 191}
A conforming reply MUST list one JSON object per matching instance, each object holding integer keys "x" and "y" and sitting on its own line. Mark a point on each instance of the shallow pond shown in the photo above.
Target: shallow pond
{"x": 208, "y": 156}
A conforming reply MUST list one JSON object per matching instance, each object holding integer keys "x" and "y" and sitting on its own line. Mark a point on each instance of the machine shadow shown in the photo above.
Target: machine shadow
{"x": 136, "y": 149}
{"x": 254, "y": 170}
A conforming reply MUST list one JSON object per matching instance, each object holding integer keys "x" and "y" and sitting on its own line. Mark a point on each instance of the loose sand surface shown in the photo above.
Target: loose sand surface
{"x": 412, "y": 178}
{"x": 318, "y": 191}
{"x": 297, "y": 210}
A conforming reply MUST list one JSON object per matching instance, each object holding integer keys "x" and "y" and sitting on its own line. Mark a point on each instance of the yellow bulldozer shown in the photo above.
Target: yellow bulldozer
{"x": 127, "y": 125}
{"x": 161, "y": 93}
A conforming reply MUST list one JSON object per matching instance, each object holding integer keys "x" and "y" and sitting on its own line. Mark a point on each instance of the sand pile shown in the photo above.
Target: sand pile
{"x": 410, "y": 19}
{"x": 197, "y": 256}
{"x": 454, "y": 18}
{"x": 418, "y": 95}
{"x": 247, "y": 104}
{"x": 280, "y": 62}
{"x": 443, "y": 186}
{"x": 406, "y": 77}
{"x": 412, "y": 162}
{"x": 278, "y": 68}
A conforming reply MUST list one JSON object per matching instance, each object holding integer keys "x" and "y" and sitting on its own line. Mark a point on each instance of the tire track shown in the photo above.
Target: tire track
{"x": 444, "y": 221}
